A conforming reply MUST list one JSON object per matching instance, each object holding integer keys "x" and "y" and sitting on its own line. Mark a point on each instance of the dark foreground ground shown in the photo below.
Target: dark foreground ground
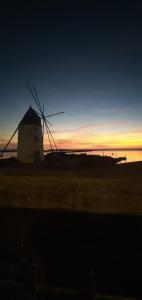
{"x": 58, "y": 255}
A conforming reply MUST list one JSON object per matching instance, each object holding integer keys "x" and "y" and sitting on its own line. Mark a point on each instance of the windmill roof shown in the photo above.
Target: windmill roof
{"x": 31, "y": 117}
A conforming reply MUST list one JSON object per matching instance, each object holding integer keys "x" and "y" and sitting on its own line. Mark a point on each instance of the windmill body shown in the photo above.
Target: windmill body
{"x": 31, "y": 133}
{"x": 30, "y": 139}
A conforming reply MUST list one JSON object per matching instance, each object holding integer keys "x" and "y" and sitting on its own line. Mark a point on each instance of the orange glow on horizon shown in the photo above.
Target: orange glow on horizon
{"x": 79, "y": 139}
{"x": 98, "y": 141}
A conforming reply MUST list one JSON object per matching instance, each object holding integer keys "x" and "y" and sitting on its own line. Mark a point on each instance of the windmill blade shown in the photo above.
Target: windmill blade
{"x": 37, "y": 98}
{"x": 43, "y": 135}
{"x": 43, "y": 130}
{"x": 4, "y": 149}
{"x": 51, "y": 135}
{"x": 47, "y": 130}
{"x": 30, "y": 89}
{"x": 40, "y": 108}
{"x": 38, "y": 113}
{"x": 62, "y": 112}
{"x": 47, "y": 121}
{"x": 42, "y": 117}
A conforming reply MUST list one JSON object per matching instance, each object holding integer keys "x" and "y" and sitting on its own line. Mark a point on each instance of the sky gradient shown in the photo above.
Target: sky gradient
{"x": 85, "y": 60}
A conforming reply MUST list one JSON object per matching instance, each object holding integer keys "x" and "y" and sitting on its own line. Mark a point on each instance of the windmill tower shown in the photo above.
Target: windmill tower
{"x": 31, "y": 130}
{"x": 30, "y": 139}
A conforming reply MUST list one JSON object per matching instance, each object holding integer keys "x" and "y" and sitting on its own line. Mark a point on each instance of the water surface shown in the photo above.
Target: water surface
{"x": 131, "y": 155}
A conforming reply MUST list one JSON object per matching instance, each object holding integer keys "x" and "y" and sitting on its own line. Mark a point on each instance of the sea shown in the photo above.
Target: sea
{"x": 131, "y": 155}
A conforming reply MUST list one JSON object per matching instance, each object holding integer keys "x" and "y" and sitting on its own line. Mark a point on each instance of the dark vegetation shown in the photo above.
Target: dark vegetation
{"x": 80, "y": 165}
{"x": 78, "y": 161}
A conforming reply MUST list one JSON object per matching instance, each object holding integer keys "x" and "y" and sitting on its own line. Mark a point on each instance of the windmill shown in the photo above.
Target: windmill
{"x": 31, "y": 132}
{"x": 44, "y": 117}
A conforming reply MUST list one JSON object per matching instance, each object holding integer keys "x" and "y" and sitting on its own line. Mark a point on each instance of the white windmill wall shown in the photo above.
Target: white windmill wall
{"x": 30, "y": 143}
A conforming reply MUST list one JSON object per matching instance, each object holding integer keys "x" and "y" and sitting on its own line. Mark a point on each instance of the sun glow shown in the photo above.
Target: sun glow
{"x": 89, "y": 136}
{"x": 97, "y": 140}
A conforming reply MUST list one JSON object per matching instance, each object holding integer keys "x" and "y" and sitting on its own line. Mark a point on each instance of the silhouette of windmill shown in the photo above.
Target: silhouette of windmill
{"x": 41, "y": 113}
{"x": 31, "y": 132}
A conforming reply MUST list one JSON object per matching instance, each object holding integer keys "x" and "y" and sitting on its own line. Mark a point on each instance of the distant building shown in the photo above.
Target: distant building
{"x": 30, "y": 138}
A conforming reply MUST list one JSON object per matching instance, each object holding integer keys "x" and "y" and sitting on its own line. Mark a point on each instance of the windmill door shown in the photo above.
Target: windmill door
{"x": 36, "y": 156}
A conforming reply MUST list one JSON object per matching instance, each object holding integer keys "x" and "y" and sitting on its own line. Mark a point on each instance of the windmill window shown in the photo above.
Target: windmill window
{"x": 36, "y": 139}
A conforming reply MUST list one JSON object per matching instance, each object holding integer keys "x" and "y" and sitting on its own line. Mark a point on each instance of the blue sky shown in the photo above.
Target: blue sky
{"x": 85, "y": 59}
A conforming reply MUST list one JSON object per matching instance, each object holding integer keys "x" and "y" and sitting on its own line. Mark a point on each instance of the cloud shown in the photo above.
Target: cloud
{"x": 91, "y": 125}
{"x": 79, "y": 139}
{"x": 135, "y": 131}
{"x": 77, "y": 129}
{"x": 100, "y": 137}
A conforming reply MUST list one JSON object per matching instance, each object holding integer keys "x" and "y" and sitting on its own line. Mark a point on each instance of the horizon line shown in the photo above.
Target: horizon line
{"x": 83, "y": 149}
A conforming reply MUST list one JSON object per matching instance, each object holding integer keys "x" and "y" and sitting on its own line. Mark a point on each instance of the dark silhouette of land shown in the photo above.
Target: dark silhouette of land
{"x": 82, "y": 165}
{"x": 63, "y": 161}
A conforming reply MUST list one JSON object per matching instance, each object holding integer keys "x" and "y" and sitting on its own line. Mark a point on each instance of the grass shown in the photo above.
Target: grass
{"x": 102, "y": 195}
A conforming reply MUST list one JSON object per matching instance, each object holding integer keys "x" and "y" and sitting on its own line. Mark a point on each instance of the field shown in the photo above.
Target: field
{"x": 55, "y": 236}
{"x": 101, "y": 195}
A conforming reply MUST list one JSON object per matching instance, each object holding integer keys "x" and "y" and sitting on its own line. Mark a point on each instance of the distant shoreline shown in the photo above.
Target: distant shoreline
{"x": 84, "y": 150}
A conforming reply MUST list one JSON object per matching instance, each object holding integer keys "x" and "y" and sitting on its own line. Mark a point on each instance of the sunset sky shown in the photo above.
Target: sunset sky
{"x": 85, "y": 59}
